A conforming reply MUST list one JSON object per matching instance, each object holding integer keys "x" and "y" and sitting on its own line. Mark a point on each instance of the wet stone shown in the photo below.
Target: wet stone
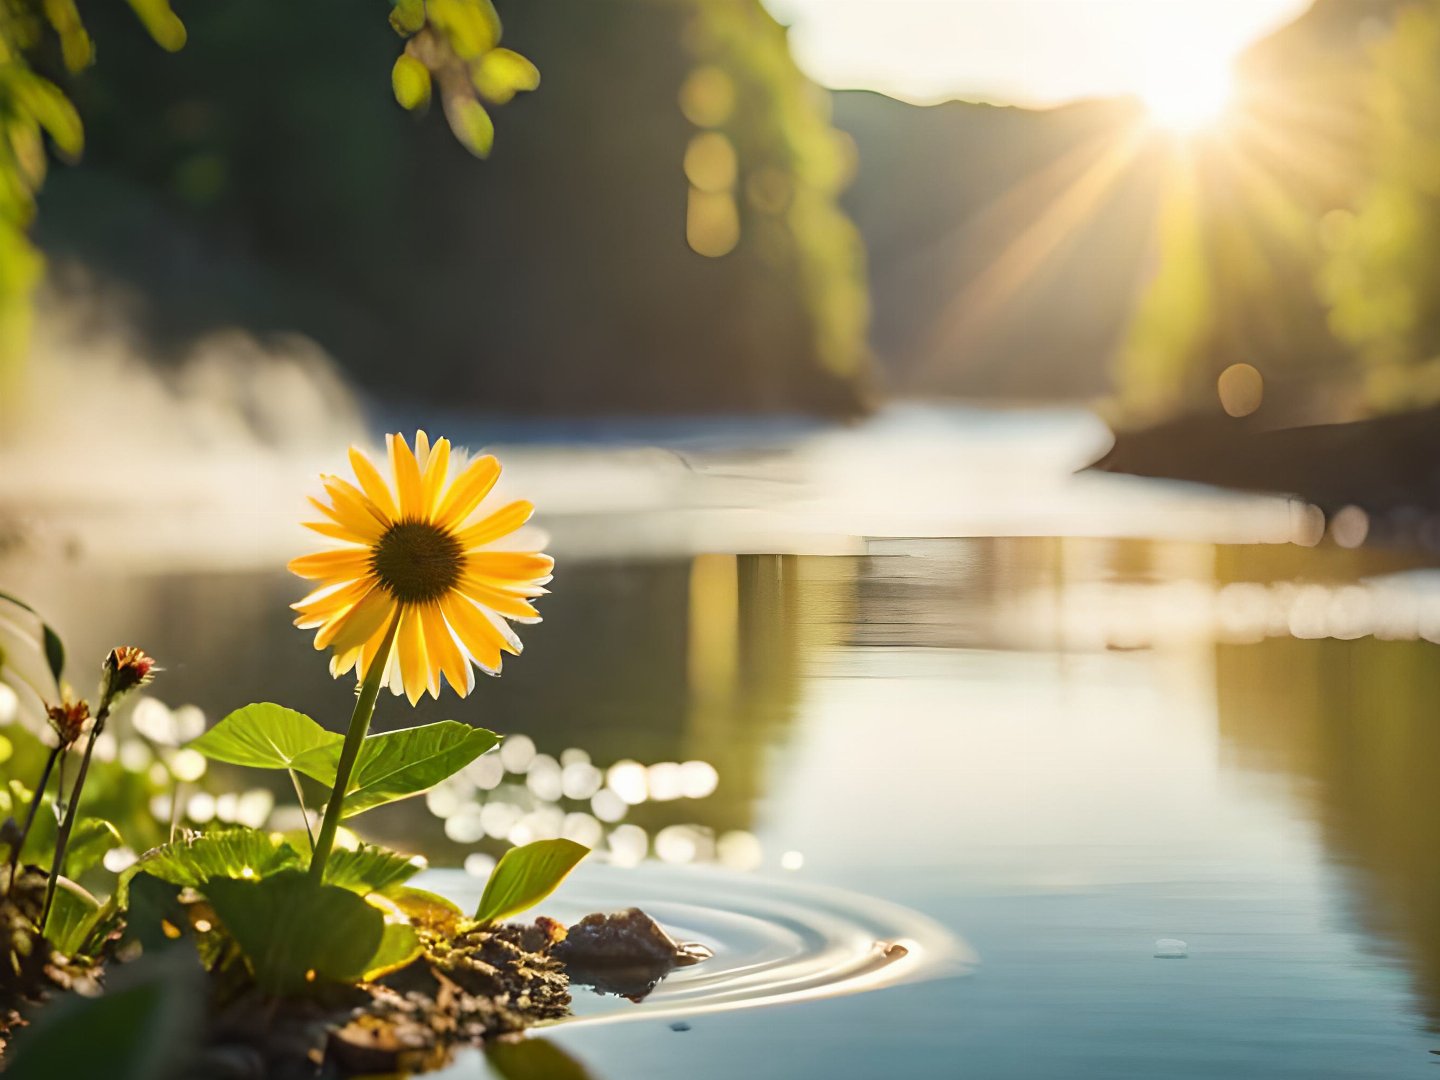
{"x": 624, "y": 953}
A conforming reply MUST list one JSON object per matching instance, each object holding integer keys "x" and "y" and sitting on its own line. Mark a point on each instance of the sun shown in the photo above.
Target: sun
{"x": 1187, "y": 98}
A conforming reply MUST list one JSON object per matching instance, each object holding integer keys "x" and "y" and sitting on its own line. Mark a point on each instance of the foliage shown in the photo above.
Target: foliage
{"x": 526, "y": 875}
{"x": 454, "y": 43}
{"x": 293, "y": 932}
{"x": 1381, "y": 277}
{"x": 33, "y": 108}
{"x": 398, "y": 764}
{"x": 393, "y": 765}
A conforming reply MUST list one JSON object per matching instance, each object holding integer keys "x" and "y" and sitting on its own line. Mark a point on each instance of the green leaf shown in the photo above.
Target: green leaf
{"x": 532, "y": 1059}
{"x": 89, "y": 842}
{"x": 265, "y": 736}
{"x": 410, "y": 80}
{"x": 428, "y": 909}
{"x": 163, "y": 25}
{"x": 502, "y": 73}
{"x": 240, "y": 854}
{"x": 369, "y": 869}
{"x": 407, "y": 16}
{"x": 399, "y": 944}
{"x": 150, "y": 903}
{"x": 150, "y": 1014}
{"x": 54, "y": 647}
{"x": 526, "y": 875}
{"x": 288, "y": 928}
{"x": 399, "y": 764}
{"x": 72, "y": 916}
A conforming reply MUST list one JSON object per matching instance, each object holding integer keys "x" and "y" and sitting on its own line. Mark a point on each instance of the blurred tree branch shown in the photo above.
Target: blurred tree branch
{"x": 450, "y": 45}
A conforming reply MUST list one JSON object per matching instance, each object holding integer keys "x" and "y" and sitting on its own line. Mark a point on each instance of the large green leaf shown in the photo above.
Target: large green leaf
{"x": 399, "y": 764}
{"x": 264, "y": 736}
{"x": 369, "y": 869}
{"x": 241, "y": 854}
{"x": 294, "y": 932}
{"x": 144, "y": 1026}
{"x": 526, "y": 875}
{"x": 72, "y": 916}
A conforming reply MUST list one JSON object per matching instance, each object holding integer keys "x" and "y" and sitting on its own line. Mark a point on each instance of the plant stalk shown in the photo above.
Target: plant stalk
{"x": 350, "y": 751}
{"x": 62, "y": 838}
{"x": 35, "y": 801}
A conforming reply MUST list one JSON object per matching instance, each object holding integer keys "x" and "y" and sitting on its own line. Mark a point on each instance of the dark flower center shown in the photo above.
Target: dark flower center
{"x": 417, "y": 562}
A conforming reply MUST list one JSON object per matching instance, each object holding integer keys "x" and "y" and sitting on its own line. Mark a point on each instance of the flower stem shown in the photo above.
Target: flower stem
{"x": 354, "y": 737}
{"x": 62, "y": 838}
{"x": 35, "y": 801}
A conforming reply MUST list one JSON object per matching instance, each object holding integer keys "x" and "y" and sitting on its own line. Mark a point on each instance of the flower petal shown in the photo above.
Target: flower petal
{"x": 346, "y": 565}
{"x": 414, "y": 659}
{"x": 503, "y": 567}
{"x": 469, "y": 488}
{"x": 503, "y": 521}
{"x": 498, "y": 600}
{"x": 373, "y": 483}
{"x": 359, "y": 623}
{"x": 473, "y": 630}
{"x": 442, "y": 648}
{"x": 407, "y": 477}
{"x": 433, "y": 482}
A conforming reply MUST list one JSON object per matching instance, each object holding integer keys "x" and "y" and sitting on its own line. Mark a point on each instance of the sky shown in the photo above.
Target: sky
{"x": 1027, "y": 52}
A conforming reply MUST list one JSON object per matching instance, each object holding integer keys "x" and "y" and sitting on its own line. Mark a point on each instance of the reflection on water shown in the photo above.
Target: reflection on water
{"x": 1062, "y": 748}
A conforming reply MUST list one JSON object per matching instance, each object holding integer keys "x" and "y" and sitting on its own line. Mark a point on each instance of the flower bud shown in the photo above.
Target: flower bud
{"x": 126, "y": 668}
{"x": 68, "y": 720}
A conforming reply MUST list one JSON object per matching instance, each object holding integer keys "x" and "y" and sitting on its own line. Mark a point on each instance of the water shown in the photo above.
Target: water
{"x": 1057, "y": 719}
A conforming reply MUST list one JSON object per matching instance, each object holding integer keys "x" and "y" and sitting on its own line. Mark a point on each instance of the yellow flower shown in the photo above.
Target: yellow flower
{"x": 420, "y": 549}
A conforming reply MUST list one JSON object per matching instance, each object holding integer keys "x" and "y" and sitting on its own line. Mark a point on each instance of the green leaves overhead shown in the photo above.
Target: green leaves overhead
{"x": 294, "y": 932}
{"x": 456, "y": 44}
{"x": 264, "y": 736}
{"x": 161, "y": 23}
{"x": 239, "y": 854}
{"x": 399, "y": 764}
{"x": 525, "y": 876}
{"x": 369, "y": 869}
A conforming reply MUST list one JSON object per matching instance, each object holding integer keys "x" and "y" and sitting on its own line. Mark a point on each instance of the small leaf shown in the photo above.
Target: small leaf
{"x": 471, "y": 124}
{"x": 240, "y": 854}
{"x": 428, "y": 909}
{"x": 294, "y": 932}
{"x": 410, "y": 80}
{"x": 501, "y": 73}
{"x": 369, "y": 869}
{"x": 265, "y": 736}
{"x": 407, "y": 16}
{"x": 532, "y": 1059}
{"x": 399, "y": 944}
{"x": 72, "y": 916}
{"x": 54, "y": 647}
{"x": 526, "y": 875}
{"x": 91, "y": 839}
{"x": 163, "y": 25}
{"x": 399, "y": 764}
